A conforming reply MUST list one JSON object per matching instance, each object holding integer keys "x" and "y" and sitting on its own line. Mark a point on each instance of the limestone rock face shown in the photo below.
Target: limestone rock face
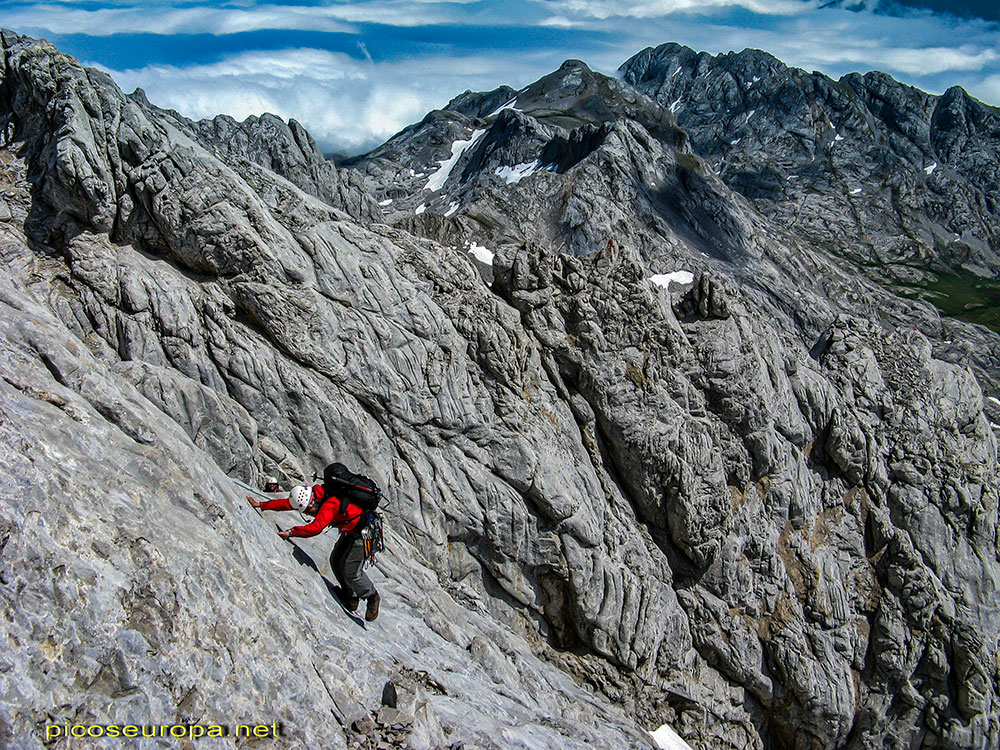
{"x": 784, "y": 489}
{"x": 289, "y": 151}
{"x": 141, "y": 369}
{"x": 612, "y": 505}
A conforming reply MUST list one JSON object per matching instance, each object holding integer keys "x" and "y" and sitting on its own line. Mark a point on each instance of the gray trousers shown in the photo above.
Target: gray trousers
{"x": 346, "y": 561}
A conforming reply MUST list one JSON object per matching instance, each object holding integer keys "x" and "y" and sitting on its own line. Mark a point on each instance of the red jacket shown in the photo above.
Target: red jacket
{"x": 332, "y": 512}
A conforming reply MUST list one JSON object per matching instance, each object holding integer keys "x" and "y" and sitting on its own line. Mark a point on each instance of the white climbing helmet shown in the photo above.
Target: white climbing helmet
{"x": 300, "y": 497}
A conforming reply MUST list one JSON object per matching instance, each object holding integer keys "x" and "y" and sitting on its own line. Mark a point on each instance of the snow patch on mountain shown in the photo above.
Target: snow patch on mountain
{"x": 677, "y": 277}
{"x": 502, "y": 107}
{"x": 518, "y": 172}
{"x": 667, "y": 739}
{"x": 437, "y": 180}
{"x": 483, "y": 254}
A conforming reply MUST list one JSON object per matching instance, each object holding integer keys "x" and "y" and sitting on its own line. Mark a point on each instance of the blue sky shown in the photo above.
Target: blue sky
{"x": 356, "y": 72}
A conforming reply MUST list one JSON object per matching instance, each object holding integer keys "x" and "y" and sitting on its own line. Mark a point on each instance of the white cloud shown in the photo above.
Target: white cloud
{"x": 396, "y": 12}
{"x": 133, "y": 19}
{"x": 569, "y": 13}
{"x": 915, "y": 61}
{"x": 917, "y": 45}
{"x": 346, "y": 104}
{"x": 987, "y": 89}
{"x": 191, "y": 18}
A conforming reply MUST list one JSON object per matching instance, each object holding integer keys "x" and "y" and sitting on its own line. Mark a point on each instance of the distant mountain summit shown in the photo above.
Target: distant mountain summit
{"x": 902, "y": 184}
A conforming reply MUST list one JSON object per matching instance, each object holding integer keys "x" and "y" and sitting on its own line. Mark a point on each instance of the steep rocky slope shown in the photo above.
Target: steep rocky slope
{"x": 163, "y": 324}
{"x": 615, "y": 505}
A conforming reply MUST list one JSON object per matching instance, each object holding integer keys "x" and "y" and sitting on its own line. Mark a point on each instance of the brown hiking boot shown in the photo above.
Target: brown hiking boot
{"x": 372, "y": 610}
{"x": 350, "y": 601}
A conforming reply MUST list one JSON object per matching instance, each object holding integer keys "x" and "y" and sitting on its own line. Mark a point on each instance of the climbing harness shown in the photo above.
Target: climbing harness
{"x": 372, "y": 537}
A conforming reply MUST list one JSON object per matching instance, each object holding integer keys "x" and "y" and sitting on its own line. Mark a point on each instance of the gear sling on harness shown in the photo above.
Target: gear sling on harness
{"x": 372, "y": 539}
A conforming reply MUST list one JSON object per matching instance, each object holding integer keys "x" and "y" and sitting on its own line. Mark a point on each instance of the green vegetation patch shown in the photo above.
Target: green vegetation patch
{"x": 960, "y": 295}
{"x": 956, "y": 293}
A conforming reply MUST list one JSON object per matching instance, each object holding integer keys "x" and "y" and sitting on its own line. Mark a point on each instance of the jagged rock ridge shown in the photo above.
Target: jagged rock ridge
{"x": 578, "y": 158}
{"x": 681, "y": 500}
{"x": 901, "y": 182}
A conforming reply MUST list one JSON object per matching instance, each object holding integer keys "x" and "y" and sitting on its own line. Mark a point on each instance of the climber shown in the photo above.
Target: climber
{"x": 348, "y": 555}
{"x": 271, "y": 485}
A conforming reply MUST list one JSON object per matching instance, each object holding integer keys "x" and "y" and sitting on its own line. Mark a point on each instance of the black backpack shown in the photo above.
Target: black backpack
{"x": 356, "y": 489}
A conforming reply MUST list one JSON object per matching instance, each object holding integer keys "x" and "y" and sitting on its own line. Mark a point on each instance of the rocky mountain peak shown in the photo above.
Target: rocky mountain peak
{"x": 865, "y": 157}
{"x": 178, "y": 327}
{"x": 662, "y": 62}
{"x": 139, "y": 96}
{"x": 480, "y": 104}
